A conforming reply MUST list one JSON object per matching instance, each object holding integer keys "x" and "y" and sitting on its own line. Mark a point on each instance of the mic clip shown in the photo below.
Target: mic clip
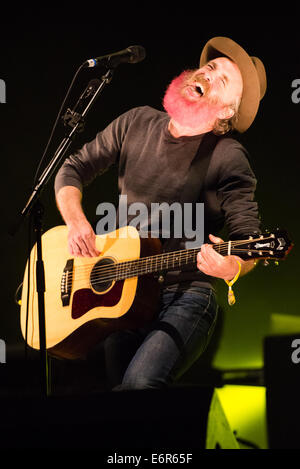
{"x": 73, "y": 119}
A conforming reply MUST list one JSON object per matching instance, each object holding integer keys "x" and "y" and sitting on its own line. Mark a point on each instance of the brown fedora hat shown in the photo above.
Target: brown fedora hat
{"x": 253, "y": 74}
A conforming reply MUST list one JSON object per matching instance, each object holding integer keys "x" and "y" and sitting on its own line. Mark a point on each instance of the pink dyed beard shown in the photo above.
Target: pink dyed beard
{"x": 188, "y": 113}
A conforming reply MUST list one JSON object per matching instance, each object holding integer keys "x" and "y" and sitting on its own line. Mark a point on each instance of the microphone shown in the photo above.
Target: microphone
{"x": 132, "y": 55}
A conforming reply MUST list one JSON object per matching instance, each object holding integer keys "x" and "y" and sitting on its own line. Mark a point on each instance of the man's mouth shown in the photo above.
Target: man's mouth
{"x": 199, "y": 89}
{"x": 196, "y": 87}
{"x": 195, "y": 90}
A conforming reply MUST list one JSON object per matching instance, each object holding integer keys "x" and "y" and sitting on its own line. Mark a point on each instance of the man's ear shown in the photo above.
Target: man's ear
{"x": 226, "y": 113}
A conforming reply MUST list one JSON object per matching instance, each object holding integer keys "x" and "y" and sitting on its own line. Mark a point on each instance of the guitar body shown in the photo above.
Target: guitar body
{"x": 91, "y": 311}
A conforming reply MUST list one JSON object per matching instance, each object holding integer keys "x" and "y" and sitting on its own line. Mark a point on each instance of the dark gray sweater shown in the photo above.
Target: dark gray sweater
{"x": 153, "y": 167}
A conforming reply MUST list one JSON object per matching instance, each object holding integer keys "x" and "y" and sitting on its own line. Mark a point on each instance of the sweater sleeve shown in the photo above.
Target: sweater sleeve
{"x": 236, "y": 192}
{"x": 95, "y": 157}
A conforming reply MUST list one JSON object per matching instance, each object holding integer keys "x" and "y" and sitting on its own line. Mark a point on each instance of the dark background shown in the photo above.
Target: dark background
{"x": 38, "y": 62}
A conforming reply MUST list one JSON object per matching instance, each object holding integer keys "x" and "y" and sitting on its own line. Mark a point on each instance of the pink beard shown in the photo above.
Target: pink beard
{"x": 186, "y": 112}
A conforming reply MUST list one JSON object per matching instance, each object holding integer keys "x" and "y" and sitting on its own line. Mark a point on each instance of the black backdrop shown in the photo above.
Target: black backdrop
{"x": 37, "y": 64}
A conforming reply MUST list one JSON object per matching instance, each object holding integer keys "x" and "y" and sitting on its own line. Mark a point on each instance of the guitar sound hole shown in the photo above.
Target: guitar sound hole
{"x": 103, "y": 274}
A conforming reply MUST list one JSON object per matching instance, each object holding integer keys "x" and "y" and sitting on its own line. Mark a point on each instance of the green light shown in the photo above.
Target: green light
{"x": 245, "y": 410}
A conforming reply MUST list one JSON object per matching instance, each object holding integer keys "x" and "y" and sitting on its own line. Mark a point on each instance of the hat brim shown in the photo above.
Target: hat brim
{"x": 252, "y": 93}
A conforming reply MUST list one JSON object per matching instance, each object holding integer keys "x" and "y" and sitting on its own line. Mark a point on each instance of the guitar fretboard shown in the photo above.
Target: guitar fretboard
{"x": 157, "y": 263}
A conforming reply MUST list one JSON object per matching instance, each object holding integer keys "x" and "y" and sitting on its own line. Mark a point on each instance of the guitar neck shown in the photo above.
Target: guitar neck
{"x": 177, "y": 259}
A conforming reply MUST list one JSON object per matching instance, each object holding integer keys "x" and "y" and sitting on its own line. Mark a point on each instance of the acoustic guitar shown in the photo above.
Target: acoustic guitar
{"x": 86, "y": 299}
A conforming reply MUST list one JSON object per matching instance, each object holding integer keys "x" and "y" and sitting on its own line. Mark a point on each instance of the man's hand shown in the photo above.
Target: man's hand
{"x": 81, "y": 236}
{"x": 82, "y": 240}
{"x": 210, "y": 262}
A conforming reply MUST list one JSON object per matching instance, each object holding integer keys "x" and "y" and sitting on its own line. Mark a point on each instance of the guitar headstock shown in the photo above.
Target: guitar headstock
{"x": 268, "y": 245}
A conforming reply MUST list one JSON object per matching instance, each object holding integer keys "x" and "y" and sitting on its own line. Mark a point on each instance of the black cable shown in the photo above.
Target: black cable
{"x": 28, "y": 285}
{"x": 56, "y": 122}
{"x": 248, "y": 443}
{"x": 16, "y": 294}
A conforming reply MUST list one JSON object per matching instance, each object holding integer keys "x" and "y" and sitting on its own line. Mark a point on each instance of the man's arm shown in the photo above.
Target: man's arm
{"x": 81, "y": 236}
{"x": 235, "y": 191}
{"x": 78, "y": 170}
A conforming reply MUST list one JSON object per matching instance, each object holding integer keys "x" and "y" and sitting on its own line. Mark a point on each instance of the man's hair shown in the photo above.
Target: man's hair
{"x": 223, "y": 126}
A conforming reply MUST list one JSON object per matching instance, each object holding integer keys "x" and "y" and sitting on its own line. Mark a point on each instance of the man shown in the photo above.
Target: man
{"x": 154, "y": 152}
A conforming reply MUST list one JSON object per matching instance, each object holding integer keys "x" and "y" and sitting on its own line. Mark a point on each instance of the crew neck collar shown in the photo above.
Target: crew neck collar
{"x": 183, "y": 138}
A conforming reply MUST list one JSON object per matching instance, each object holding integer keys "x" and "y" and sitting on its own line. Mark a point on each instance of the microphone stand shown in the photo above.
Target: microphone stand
{"x": 35, "y": 208}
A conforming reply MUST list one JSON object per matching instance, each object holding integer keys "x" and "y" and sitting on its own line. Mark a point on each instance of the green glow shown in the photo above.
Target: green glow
{"x": 284, "y": 324}
{"x": 245, "y": 410}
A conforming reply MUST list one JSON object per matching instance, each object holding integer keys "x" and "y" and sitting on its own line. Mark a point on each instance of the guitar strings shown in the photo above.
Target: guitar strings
{"x": 109, "y": 276}
{"x": 182, "y": 255}
{"x": 140, "y": 264}
{"x": 118, "y": 271}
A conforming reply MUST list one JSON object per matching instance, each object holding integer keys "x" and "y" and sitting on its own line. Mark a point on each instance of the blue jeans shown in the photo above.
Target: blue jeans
{"x": 157, "y": 357}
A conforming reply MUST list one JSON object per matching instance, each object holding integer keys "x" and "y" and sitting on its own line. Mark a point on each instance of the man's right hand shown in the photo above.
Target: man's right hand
{"x": 82, "y": 240}
{"x": 81, "y": 236}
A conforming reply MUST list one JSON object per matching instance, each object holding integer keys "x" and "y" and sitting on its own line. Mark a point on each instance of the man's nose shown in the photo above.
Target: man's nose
{"x": 204, "y": 75}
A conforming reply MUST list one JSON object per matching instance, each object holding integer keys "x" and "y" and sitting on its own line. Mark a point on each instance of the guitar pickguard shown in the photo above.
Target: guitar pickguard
{"x": 85, "y": 299}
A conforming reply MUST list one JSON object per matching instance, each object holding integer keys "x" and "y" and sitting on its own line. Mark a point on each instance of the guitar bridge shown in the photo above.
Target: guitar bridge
{"x": 66, "y": 282}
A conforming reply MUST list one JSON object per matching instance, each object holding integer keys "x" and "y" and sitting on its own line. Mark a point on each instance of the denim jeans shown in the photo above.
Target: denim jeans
{"x": 156, "y": 357}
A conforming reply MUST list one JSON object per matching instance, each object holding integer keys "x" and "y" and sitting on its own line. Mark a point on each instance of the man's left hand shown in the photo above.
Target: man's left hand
{"x": 210, "y": 262}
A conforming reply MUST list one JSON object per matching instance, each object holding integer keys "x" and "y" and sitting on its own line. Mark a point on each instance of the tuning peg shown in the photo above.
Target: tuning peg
{"x": 266, "y": 263}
